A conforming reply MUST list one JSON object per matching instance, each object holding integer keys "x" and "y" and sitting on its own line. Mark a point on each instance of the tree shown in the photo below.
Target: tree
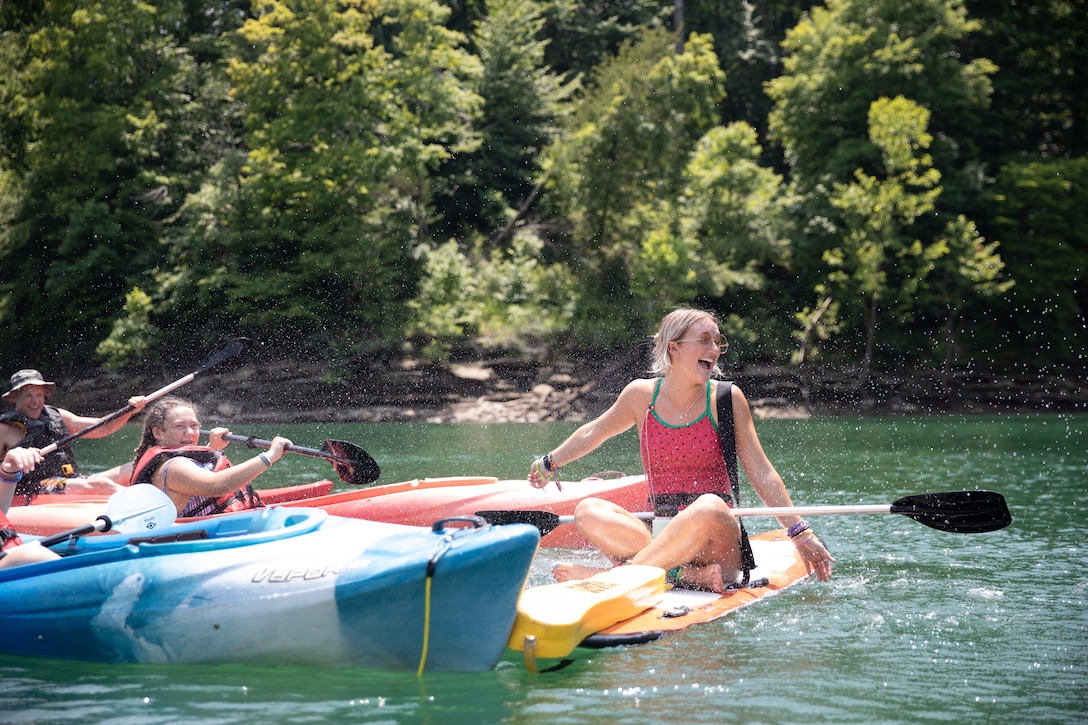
{"x": 1041, "y": 49}
{"x": 724, "y": 232}
{"x": 878, "y": 259}
{"x": 966, "y": 267}
{"x": 747, "y": 36}
{"x": 493, "y": 186}
{"x": 1041, "y": 215}
{"x": 846, "y": 54}
{"x": 623, "y": 152}
{"x": 85, "y": 141}
{"x": 630, "y": 142}
{"x": 499, "y": 298}
{"x": 584, "y": 33}
{"x": 349, "y": 109}
{"x": 133, "y": 337}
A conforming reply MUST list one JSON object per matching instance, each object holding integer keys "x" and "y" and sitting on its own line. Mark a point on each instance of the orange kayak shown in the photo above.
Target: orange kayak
{"x": 268, "y": 495}
{"x": 631, "y": 604}
{"x": 419, "y": 502}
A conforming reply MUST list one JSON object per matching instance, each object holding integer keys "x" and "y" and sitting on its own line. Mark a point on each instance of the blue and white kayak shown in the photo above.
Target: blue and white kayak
{"x": 276, "y": 586}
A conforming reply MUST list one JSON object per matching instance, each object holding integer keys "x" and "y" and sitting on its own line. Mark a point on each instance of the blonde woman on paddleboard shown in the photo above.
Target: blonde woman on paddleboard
{"x": 704, "y": 545}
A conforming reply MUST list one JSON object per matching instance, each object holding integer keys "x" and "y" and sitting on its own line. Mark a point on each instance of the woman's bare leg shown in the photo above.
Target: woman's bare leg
{"x": 703, "y": 538}
{"x": 610, "y": 528}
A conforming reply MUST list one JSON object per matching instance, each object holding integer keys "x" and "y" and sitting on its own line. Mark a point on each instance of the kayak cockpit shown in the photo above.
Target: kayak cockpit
{"x": 240, "y": 529}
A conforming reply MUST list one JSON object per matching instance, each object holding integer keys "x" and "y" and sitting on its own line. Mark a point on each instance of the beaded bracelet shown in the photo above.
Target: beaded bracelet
{"x": 264, "y": 459}
{"x": 552, "y": 469}
{"x": 797, "y": 529}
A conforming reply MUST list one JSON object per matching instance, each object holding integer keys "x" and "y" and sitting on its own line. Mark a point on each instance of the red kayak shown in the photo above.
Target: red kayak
{"x": 52, "y": 513}
{"x": 421, "y": 502}
{"x": 418, "y": 502}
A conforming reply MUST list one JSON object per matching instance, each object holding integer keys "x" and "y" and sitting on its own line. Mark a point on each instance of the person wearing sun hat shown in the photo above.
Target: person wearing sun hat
{"x": 34, "y": 424}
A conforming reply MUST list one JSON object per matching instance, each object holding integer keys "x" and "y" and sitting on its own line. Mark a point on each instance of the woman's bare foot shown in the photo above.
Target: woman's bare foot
{"x": 566, "y": 571}
{"x": 707, "y": 577}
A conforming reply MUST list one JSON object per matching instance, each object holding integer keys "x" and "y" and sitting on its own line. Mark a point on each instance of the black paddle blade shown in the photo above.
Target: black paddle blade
{"x": 353, "y": 465}
{"x": 546, "y": 521}
{"x": 222, "y": 353}
{"x": 961, "y": 512}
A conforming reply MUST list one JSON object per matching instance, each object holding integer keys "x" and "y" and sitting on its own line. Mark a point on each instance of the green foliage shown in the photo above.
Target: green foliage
{"x": 747, "y": 37}
{"x": 1041, "y": 216}
{"x": 523, "y": 100}
{"x": 508, "y": 300}
{"x": 818, "y": 324}
{"x": 739, "y": 209}
{"x": 345, "y": 118}
{"x": 729, "y": 225}
{"x": 133, "y": 336}
{"x": 328, "y": 177}
{"x": 585, "y": 33}
{"x": 628, "y": 145}
{"x": 965, "y": 267}
{"x": 1039, "y": 106}
{"x": 87, "y": 139}
{"x": 847, "y": 53}
{"x": 878, "y": 259}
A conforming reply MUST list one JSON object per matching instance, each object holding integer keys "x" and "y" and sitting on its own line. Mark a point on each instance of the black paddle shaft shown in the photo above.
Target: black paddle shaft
{"x": 221, "y": 354}
{"x": 353, "y": 465}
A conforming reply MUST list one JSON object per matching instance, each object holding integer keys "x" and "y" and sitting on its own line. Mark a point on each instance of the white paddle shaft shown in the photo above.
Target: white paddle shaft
{"x": 779, "y": 511}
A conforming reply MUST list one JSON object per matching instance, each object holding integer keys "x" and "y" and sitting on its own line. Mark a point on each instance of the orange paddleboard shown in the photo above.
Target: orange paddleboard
{"x": 776, "y": 561}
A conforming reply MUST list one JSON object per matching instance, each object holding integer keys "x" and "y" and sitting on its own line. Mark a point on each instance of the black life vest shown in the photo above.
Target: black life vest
{"x": 38, "y": 433}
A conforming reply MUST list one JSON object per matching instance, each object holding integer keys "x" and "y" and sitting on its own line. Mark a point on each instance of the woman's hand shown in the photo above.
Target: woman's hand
{"x": 21, "y": 459}
{"x": 217, "y": 438}
{"x": 817, "y": 558}
{"x": 276, "y": 449}
{"x": 538, "y": 477}
{"x": 94, "y": 484}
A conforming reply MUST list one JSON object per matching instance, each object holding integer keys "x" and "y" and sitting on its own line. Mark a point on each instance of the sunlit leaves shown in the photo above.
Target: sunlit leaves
{"x": 848, "y": 53}
{"x": 349, "y": 108}
{"x": 879, "y": 258}
{"x": 631, "y": 138}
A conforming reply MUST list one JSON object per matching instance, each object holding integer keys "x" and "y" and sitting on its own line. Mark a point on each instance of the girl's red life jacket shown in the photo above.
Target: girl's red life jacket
{"x": 240, "y": 500}
{"x": 8, "y": 537}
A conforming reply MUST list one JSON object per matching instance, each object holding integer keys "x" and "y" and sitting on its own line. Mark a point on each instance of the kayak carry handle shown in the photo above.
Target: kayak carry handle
{"x": 477, "y": 522}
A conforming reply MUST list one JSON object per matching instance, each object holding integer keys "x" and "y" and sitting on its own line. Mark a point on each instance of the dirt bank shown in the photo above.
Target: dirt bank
{"x": 516, "y": 390}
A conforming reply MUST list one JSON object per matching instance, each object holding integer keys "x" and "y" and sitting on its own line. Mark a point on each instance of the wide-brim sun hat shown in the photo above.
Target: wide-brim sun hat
{"x": 29, "y": 377}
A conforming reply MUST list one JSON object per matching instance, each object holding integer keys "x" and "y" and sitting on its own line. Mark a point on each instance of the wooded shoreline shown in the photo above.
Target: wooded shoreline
{"x": 510, "y": 390}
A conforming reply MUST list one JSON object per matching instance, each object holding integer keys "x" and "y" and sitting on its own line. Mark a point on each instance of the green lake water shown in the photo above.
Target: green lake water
{"x": 917, "y": 625}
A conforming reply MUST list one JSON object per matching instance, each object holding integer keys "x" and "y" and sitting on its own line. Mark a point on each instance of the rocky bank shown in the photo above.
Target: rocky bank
{"x": 505, "y": 389}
